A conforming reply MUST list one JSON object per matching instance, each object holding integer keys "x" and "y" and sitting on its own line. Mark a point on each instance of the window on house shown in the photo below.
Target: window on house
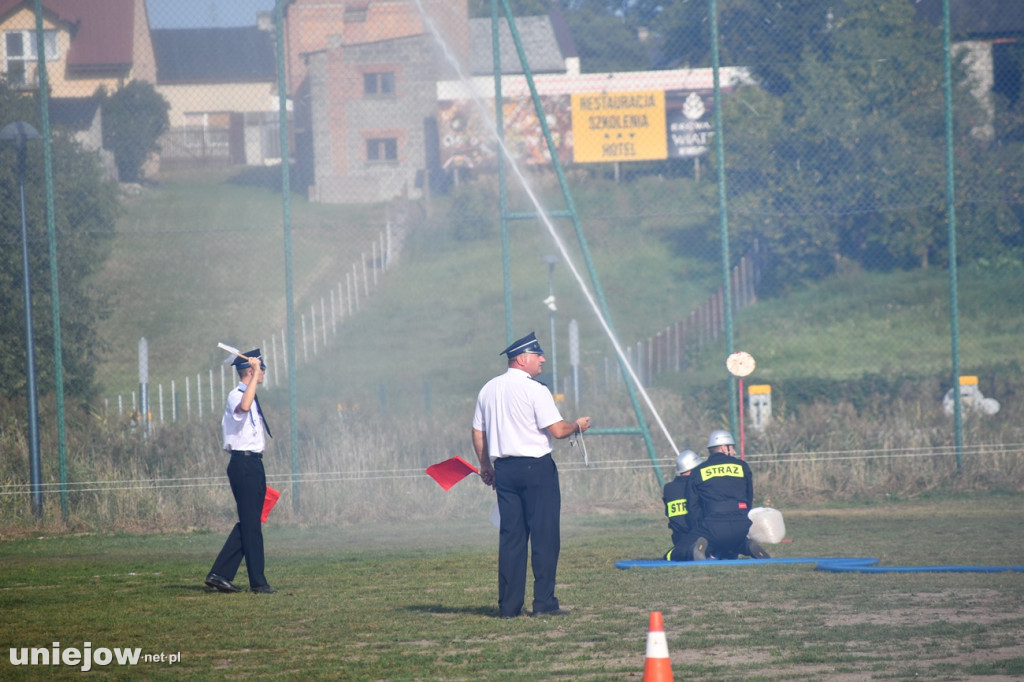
{"x": 379, "y": 83}
{"x": 355, "y": 15}
{"x": 382, "y": 149}
{"x": 207, "y": 130}
{"x": 14, "y": 42}
{"x": 20, "y": 54}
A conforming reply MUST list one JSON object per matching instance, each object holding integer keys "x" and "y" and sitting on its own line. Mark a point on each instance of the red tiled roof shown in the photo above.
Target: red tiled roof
{"x": 103, "y": 36}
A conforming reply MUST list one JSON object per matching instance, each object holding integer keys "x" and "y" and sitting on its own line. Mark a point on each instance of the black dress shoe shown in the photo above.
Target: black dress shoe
{"x": 263, "y": 589}
{"x": 551, "y": 612}
{"x": 221, "y": 584}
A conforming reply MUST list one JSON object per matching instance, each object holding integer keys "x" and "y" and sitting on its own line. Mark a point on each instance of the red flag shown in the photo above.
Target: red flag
{"x": 450, "y": 471}
{"x": 268, "y": 503}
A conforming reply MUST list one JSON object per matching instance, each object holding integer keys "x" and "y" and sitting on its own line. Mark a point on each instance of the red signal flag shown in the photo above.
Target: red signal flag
{"x": 451, "y": 471}
{"x": 268, "y": 503}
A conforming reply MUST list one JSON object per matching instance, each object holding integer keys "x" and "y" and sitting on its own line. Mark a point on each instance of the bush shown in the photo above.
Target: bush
{"x": 134, "y": 118}
{"x": 474, "y": 212}
{"x": 368, "y": 469}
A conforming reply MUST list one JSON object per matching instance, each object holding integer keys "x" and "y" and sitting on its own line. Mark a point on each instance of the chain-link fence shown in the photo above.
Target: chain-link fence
{"x": 834, "y": 188}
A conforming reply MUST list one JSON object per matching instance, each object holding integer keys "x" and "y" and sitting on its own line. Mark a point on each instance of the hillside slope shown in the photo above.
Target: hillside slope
{"x": 201, "y": 259}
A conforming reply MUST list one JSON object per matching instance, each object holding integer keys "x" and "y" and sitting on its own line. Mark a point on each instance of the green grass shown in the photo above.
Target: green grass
{"x": 414, "y": 597}
{"x": 200, "y": 259}
{"x": 178, "y": 279}
{"x": 182, "y": 278}
{"x": 888, "y": 323}
{"x": 418, "y": 601}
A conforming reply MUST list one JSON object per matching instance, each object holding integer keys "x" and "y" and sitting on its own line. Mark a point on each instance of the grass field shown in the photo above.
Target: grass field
{"x": 414, "y": 598}
{"x": 174, "y": 280}
{"x": 177, "y": 274}
{"x": 417, "y": 601}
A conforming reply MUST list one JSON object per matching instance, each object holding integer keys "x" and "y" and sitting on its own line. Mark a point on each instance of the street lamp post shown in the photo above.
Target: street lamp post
{"x": 550, "y": 302}
{"x": 20, "y": 132}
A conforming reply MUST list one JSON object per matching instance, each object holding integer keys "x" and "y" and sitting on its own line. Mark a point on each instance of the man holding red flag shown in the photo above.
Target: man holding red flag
{"x": 243, "y": 427}
{"x": 513, "y": 427}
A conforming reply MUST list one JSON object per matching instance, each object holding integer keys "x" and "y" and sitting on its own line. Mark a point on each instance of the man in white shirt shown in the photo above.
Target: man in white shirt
{"x": 242, "y": 428}
{"x": 513, "y": 425}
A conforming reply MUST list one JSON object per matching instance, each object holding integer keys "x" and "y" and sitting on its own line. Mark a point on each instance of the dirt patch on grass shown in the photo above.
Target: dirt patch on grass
{"x": 981, "y": 606}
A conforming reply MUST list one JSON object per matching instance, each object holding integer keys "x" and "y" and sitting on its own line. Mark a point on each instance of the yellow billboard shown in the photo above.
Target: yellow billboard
{"x": 619, "y": 126}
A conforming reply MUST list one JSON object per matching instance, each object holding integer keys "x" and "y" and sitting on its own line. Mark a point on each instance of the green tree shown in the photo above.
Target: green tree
{"x": 607, "y": 41}
{"x": 85, "y": 208}
{"x": 990, "y": 214}
{"x": 849, "y": 163}
{"x": 134, "y": 118}
{"x": 605, "y": 33}
{"x": 766, "y": 36}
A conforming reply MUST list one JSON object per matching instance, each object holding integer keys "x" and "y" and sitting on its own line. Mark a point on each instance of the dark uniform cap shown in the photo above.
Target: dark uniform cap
{"x": 527, "y": 344}
{"x": 241, "y": 363}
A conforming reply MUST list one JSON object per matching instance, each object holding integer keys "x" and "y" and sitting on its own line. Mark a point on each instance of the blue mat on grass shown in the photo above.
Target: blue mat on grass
{"x": 832, "y": 564}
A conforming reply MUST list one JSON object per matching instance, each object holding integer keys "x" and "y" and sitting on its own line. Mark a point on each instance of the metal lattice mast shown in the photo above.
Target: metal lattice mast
{"x": 570, "y": 212}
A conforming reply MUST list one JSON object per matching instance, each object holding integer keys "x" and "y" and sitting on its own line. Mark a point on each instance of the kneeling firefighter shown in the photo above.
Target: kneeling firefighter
{"x": 719, "y": 495}
{"x": 674, "y": 497}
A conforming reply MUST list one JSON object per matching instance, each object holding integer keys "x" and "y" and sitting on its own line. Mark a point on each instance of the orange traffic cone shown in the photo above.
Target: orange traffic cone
{"x": 657, "y": 667}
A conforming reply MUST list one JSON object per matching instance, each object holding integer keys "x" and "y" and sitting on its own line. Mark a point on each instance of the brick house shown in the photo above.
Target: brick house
{"x": 363, "y": 77}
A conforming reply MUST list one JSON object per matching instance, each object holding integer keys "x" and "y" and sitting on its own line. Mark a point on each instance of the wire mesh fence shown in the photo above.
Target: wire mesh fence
{"x": 843, "y": 160}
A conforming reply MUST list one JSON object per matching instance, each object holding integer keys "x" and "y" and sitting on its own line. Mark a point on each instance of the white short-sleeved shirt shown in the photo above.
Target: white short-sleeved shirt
{"x": 513, "y": 410}
{"x": 242, "y": 430}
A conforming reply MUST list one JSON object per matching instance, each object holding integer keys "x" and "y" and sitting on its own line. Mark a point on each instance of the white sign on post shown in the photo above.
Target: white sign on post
{"x": 144, "y": 384}
{"x": 574, "y": 343}
{"x": 760, "y": 401}
{"x": 143, "y": 361}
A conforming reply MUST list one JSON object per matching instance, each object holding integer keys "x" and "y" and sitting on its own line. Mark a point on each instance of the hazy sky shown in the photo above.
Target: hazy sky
{"x": 200, "y": 13}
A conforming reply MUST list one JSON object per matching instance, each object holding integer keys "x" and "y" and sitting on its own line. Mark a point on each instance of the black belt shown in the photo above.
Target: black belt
{"x": 498, "y": 459}
{"x": 248, "y": 453}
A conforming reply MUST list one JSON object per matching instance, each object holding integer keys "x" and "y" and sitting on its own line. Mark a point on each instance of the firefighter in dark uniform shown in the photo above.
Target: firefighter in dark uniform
{"x": 719, "y": 494}
{"x": 674, "y": 497}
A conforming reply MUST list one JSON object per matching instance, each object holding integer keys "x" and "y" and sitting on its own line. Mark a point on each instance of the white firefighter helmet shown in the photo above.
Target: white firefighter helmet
{"x": 720, "y": 437}
{"x": 686, "y": 460}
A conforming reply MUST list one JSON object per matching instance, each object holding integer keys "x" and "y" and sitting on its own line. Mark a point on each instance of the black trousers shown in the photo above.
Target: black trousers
{"x": 249, "y": 486}
{"x": 530, "y": 504}
{"x": 726, "y": 538}
{"x": 682, "y": 549}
